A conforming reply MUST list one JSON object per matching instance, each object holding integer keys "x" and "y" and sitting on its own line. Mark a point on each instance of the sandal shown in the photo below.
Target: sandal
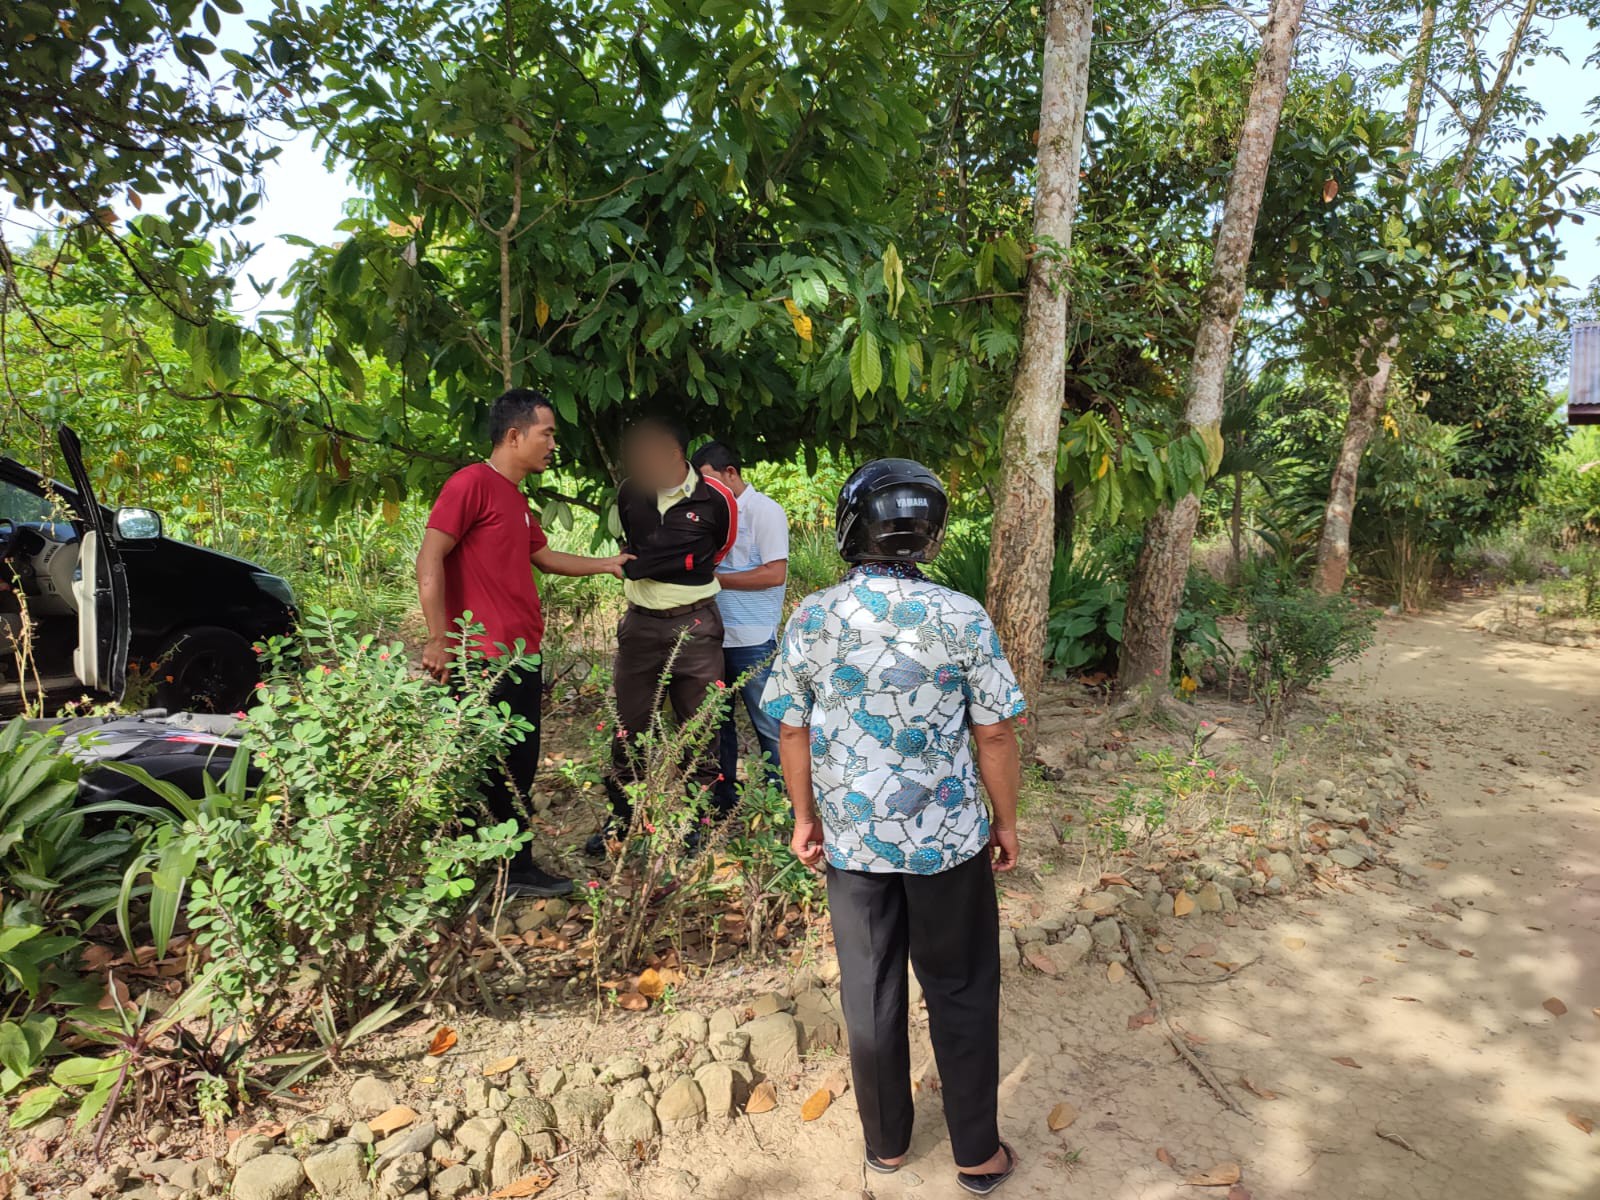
{"x": 882, "y": 1168}
{"x": 982, "y": 1185}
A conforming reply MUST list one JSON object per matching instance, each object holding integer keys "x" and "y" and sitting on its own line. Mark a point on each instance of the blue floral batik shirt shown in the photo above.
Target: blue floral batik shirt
{"x": 890, "y": 671}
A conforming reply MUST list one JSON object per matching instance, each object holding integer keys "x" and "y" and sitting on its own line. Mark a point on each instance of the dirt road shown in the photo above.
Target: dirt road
{"x": 1399, "y": 1037}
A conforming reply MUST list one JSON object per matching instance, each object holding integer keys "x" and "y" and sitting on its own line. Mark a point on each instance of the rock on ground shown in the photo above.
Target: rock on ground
{"x": 509, "y": 1158}
{"x": 630, "y": 1120}
{"x": 774, "y": 1044}
{"x": 682, "y": 1107}
{"x": 339, "y": 1172}
{"x": 720, "y": 1087}
{"x": 269, "y": 1177}
{"x": 580, "y": 1110}
{"x": 370, "y": 1096}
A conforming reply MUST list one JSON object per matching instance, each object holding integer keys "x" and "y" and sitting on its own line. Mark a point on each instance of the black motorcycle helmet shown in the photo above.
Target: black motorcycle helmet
{"x": 891, "y": 510}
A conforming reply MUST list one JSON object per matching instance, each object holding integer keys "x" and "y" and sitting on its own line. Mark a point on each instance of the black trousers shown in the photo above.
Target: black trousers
{"x": 507, "y": 790}
{"x": 949, "y": 925}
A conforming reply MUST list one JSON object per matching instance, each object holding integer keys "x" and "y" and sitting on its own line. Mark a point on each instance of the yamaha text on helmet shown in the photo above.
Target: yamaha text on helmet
{"x": 891, "y": 510}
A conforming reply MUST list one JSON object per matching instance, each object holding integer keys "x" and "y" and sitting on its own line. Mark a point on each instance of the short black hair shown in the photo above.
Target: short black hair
{"x": 515, "y": 409}
{"x": 661, "y": 425}
{"x": 719, "y": 456}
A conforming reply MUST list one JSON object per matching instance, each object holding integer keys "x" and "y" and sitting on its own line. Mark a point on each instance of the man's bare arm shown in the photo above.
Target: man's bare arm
{"x": 756, "y": 579}
{"x": 794, "y": 753}
{"x": 1000, "y": 768}
{"x": 559, "y": 562}
{"x": 436, "y": 654}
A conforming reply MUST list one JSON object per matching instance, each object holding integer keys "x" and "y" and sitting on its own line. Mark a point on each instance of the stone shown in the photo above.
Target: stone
{"x": 269, "y": 1177}
{"x": 581, "y": 1075}
{"x": 724, "y": 1020}
{"x": 768, "y": 1003}
{"x": 1347, "y": 858}
{"x": 720, "y": 1087}
{"x": 446, "y": 1117}
{"x": 193, "y": 1176}
{"x": 112, "y": 1178}
{"x": 369, "y": 1096}
{"x": 499, "y": 1100}
{"x": 530, "y": 1114}
{"x": 543, "y": 1145}
{"x": 414, "y": 1139}
{"x": 1073, "y": 948}
{"x": 670, "y": 1050}
{"x": 552, "y": 1081}
{"x": 1322, "y": 791}
{"x": 774, "y": 1044}
{"x": 531, "y": 919}
{"x": 828, "y": 972}
{"x": 49, "y": 1130}
{"x": 638, "y": 1087}
{"x": 579, "y": 1110}
{"x": 1275, "y": 886}
{"x": 690, "y": 1026}
{"x": 455, "y": 1181}
{"x": 682, "y": 1107}
{"x": 1106, "y": 933}
{"x": 339, "y": 1172}
{"x": 621, "y": 1068}
{"x": 700, "y": 1058}
{"x": 1340, "y": 816}
{"x": 1281, "y": 867}
{"x": 1099, "y": 903}
{"x": 1208, "y": 898}
{"x": 1230, "y": 902}
{"x": 1029, "y": 934}
{"x": 157, "y": 1132}
{"x": 250, "y": 1145}
{"x": 1140, "y": 909}
{"x": 478, "y": 1135}
{"x": 821, "y": 1023}
{"x": 630, "y": 1120}
{"x": 508, "y": 1160}
{"x": 1164, "y": 905}
{"x": 361, "y": 1133}
{"x": 475, "y": 1094}
{"x": 731, "y": 1047}
{"x": 310, "y": 1131}
{"x": 403, "y": 1175}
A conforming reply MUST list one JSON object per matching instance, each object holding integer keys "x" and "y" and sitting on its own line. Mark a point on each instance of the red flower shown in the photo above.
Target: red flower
{"x": 720, "y": 684}
{"x": 592, "y": 885}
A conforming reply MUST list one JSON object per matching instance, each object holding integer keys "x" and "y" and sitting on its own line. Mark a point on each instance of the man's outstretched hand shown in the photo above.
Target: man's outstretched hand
{"x": 1003, "y": 845}
{"x": 807, "y": 842}
{"x": 437, "y": 656}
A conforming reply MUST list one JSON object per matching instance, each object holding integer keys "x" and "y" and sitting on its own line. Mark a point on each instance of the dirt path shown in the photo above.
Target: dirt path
{"x": 1401, "y": 1030}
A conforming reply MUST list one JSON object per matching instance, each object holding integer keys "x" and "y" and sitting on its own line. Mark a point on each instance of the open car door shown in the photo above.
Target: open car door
{"x": 101, "y": 590}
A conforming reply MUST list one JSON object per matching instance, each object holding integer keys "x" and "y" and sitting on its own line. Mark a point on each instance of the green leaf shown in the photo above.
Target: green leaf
{"x": 866, "y": 366}
{"x": 902, "y": 370}
{"x": 35, "y": 1104}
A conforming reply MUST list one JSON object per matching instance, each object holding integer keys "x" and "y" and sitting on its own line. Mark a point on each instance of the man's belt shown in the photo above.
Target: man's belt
{"x": 681, "y": 610}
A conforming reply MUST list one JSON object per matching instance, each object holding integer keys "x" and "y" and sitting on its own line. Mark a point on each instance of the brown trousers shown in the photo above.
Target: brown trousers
{"x": 645, "y": 645}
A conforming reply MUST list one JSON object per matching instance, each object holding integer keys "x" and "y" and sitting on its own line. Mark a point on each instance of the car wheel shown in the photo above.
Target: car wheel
{"x": 206, "y": 669}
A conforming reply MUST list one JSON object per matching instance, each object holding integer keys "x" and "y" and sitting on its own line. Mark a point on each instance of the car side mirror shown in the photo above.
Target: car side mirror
{"x": 138, "y": 525}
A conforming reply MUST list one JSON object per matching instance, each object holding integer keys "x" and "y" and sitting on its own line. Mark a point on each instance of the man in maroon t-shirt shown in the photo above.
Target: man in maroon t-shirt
{"x": 481, "y": 536}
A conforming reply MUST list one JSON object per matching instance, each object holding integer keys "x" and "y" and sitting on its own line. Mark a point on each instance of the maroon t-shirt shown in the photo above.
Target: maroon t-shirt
{"x": 488, "y": 573}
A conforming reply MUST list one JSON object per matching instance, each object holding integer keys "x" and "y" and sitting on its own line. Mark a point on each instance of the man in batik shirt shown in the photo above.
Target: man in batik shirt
{"x": 882, "y": 685}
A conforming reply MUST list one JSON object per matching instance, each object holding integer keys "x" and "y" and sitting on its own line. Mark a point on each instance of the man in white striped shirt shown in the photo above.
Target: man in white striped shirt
{"x": 753, "y": 576}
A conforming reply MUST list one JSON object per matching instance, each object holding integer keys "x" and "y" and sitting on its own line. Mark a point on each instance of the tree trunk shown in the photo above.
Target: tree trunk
{"x": 1023, "y": 547}
{"x": 1368, "y": 395}
{"x": 1157, "y": 587}
{"x": 1366, "y": 405}
{"x": 1236, "y": 530}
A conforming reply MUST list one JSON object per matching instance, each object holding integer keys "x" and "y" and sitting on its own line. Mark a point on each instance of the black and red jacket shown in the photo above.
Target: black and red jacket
{"x": 682, "y": 545}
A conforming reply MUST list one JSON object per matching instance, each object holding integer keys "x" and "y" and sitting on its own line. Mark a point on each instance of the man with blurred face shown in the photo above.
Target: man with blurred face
{"x": 676, "y": 526}
{"x": 481, "y": 537}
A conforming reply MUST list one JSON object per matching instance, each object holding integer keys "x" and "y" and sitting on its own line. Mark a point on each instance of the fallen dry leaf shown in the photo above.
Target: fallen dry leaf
{"x": 1041, "y": 962}
{"x": 816, "y": 1104}
{"x": 1436, "y": 864}
{"x": 1584, "y": 1123}
{"x": 1115, "y": 973}
{"x": 651, "y": 985}
{"x": 763, "y": 1098}
{"x": 528, "y": 1185}
{"x": 1294, "y": 943}
{"x": 1346, "y": 1061}
{"x": 501, "y": 1065}
{"x": 1182, "y": 904}
{"x": 1163, "y": 947}
{"x": 836, "y": 1083}
{"x": 1222, "y": 1175}
{"x": 1238, "y": 1192}
{"x": 1201, "y": 950}
{"x": 387, "y": 1122}
{"x": 1408, "y": 999}
{"x": 1108, "y": 879}
{"x": 1256, "y": 1090}
{"x": 1554, "y": 1007}
{"x": 632, "y": 1002}
{"x": 1140, "y": 1019}
{"x": 1164, "y": 1155}
{"x": 1061, "y": 1116}
{"x": 442, "y": 1041}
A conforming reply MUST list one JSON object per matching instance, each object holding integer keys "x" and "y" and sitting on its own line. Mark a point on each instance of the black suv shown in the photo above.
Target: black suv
{"x": 85, "y": 591}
